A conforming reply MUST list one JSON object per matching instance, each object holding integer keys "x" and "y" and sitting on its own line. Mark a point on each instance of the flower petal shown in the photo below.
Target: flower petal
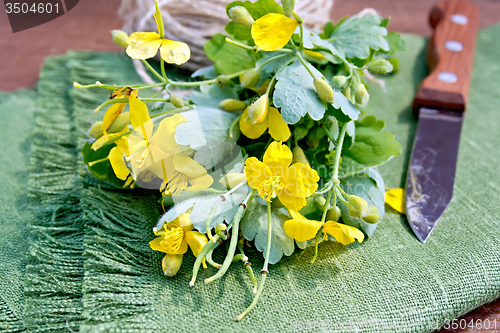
{"x": 292, "y": 203}
{"x": 273, "y": 31}
{"x": 278, "y": 128}
{"x": 257, "y": 111}
{"x": 395, "y": 199}
{"x": 117, "y": 163}
{"x": 164, "y": 137}
{"x": 188, "y": 166}
{"x": 106, "y": 137}
{"x": 344, "y": 234}
{"x": 174, "y": 52}
{"x": 256, "y": 172}
{"x": 302, "y": 229}
{"x": 196, "y": 241}
{"x": 250, "y": 130}
{"x": 300, "y": 180}
{"x": 143, "y": 45}
{"x": 278, "y": 157}
{"x": 200, "y": 183}
{"x": 138, "y": 112}
{"x": 113, "y": 111}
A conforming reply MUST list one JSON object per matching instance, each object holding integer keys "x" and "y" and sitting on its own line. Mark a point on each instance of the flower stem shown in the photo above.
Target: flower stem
{"x": 301, "y": 37}
{"x": 323, "y": 218}
{"x": 338, "y": 151}
{"x": 163, "y": 73}
{"x": 199, "y": 259}
{"x": 233, "y": 125}
{"x": 243, "y": 46}
{"x": 209, "y": 220}
{"x": 306, "y": 65}
{"x": 248, "y": 267}
{"x": 152, "y": 70}
{"x": 264, "y": 270}
{"x": 276, "y": 75}
{"x": 210, "y": 260}
{"x": 234, "y": 238}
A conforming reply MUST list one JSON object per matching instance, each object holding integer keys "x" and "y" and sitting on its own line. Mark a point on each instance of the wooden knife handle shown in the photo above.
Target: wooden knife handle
{"x": 450, "y": 57}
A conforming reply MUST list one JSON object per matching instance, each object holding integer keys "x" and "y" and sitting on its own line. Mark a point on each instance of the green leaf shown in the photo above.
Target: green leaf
{"x": 205, "y": 125}
{"x": 365, "y": 187}
{"x": 253, "y": 226}
{"x": 238, "y": 31}
{"x": 215, "y": 153}
{"x": 295, "y": 94}
{"x": 272, "y": 66}
{"x": 327, "y": 30}
{"x": 227, "y": 58}
{"x": 396, "y": 43}
{"x": 211, "y": 95}
{"x": 371, "y": 147}
{"x": 208, "y": 72}
{"x": 258, "y": 8}
{"x": 385, "y": 22}
{"x": 202, "y": 203}
{"x": 103, "y": 170}
{"x": 355, "y": 37}
{"x": 342, "y": 108}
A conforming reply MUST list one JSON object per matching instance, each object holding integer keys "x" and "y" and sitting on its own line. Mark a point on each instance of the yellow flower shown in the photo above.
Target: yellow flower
{"x": 272, "y": 120}
{"x": 273, "y": 31}
{"x": 175, "y": 237}
{"x": 395, "y": 199}
{"x": 276, "y": 178}
{"x": 160, "y": 154}
{"x": 302, "y": 229}
{"x": 145, "y": 45}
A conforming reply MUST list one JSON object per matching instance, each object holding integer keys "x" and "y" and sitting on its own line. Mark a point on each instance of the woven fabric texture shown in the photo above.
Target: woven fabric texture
{"x": 89, "y": 266}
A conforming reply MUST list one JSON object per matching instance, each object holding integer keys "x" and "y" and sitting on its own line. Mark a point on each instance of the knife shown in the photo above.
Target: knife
{"x": 439, "y": 106}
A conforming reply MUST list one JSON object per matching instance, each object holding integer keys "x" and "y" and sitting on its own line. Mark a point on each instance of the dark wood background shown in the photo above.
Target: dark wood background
{"x": 87, "y": 27}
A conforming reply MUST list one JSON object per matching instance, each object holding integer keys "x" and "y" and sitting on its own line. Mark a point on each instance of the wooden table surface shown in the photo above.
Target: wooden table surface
{"x": 87, "y": 27}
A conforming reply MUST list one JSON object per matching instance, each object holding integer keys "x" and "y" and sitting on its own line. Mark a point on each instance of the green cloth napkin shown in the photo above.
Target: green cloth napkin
{"x": 89, "y": 266}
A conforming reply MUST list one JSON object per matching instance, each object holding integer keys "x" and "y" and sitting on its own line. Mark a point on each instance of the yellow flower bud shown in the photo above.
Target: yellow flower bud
{"x": 333, "y": 214}
{"x": 373, "y": 215}
{"x": 171, "y": 264}
{"x": 177, "y": 101}
{"x": 358, "y": 207}
{"x": 380, "y": 66}
{"x": 122, "y": 120}
{"x": 232, "y": 105}
{"x": 361, "y": 96}
{"x": 299, "y": 156}
{"x": 250, "y": 78}
{"x": 288, "y": 7}
{"x": 320, "y": 202}
{"x": 324, "y": 90}
{"x": 339, "y": 81}
{"x": 257, "y": 111}
{"x": 120, "y": 38}
{"x": 232, "y": 179}
{"x": 95, "y": 130}
{"x": 240, "y": 15}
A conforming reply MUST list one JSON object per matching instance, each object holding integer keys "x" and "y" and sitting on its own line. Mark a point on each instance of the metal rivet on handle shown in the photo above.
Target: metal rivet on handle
{"x": 447, "y": 77}
{"x": 454, "y": 46}
{"x": 459, "y": 19}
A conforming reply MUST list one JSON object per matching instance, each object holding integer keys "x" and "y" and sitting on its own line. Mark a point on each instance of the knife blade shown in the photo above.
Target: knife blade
{"x": 439, "y": 106}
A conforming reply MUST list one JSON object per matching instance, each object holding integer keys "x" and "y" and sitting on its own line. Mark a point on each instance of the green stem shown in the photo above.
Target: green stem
{"x": 234, "y": 189}
{"x": 275, "y": 75}
{"x": 248, "y": 267}
{"x": 152, "y": 70}
{"x": 328, "y": 134}
{"x": 233, "y": 125}
{"x": 163, "y": 73}
{"x": 208, "y": 256}
{"x": 199, "y": 83}
{"x": 272, "y": 59}
{"x": 265, "y": 267}
{"x": 323, "y": 218}
{"x": 199, "y": 259}
{"x": 209, "y": 220}
{"x": 339, "y": 196}
{"x": 234, "y": 239}
{"x": 301, "y": 38}
{"x": 243, "y": 46}
{"x": 306, "y": 65}
{"x": 338, "y": 151}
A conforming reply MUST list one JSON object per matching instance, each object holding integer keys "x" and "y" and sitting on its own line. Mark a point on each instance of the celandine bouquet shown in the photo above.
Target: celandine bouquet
{"x": 270, "y": 147}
